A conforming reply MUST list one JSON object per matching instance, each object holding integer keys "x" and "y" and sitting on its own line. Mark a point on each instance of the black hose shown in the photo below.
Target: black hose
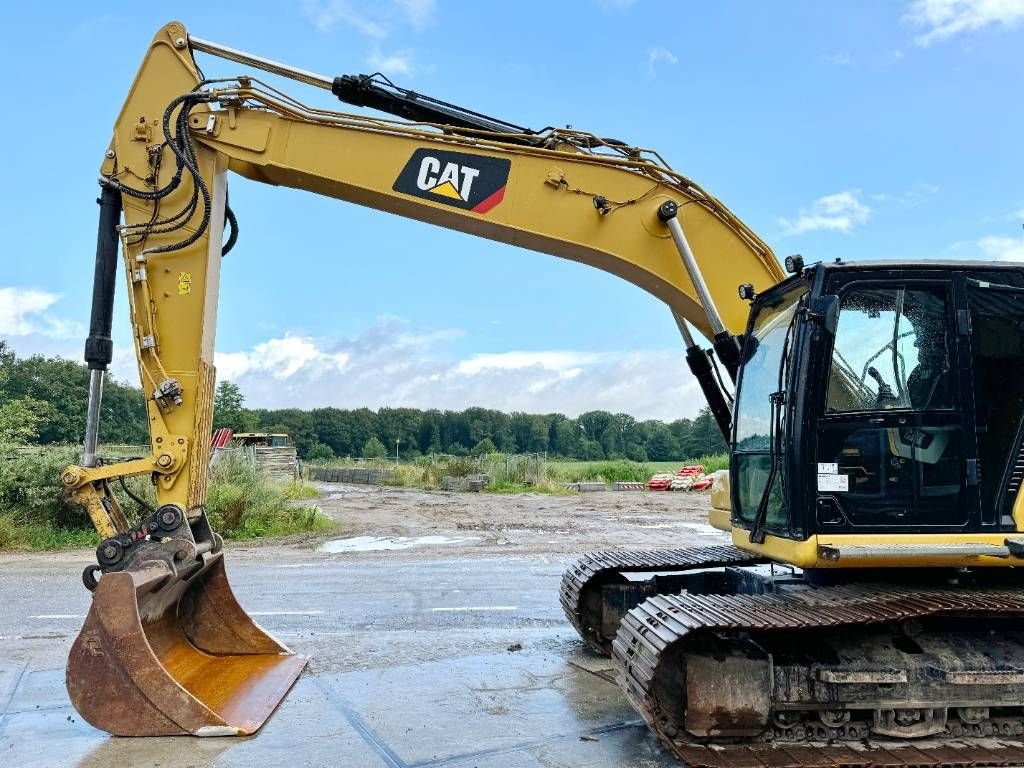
{"x": 232, "y": 220}
{"x": 181, "y": 145}
{"x": 140, "y": 501}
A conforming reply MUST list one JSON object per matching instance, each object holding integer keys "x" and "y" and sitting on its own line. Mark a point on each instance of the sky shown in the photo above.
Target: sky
{"x": 862, "y": 130}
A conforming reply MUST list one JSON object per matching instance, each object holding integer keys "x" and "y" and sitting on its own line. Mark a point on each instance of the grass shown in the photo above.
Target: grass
{"x": 426, "y": 472}
{"x": 300, "y": 489}
{"x": 241, "y": 503}
{"x": 17, "y": 534}
{"x": 544, "y": 486}
{"x": 627, "y": 471}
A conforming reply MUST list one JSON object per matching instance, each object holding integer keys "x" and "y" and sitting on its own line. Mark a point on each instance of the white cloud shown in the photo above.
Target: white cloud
{"x": 390, "y": 364}
{"x": 840, "y": 212}
{"x": 327, "y": 14}
{"x": 281, "y": 359}
{"x": 656, "y": 56}
{"x": 1017, "y": 215}
{"x": 419, "y": 13}
{"x": 917, "y": 192}
{"x": 374, "y": 22}
{"x": 1000, "y": 248}
{"x": 511, "y": 361}
{"x": 23, "y": 312}
{"x": 943, "y": 19}
{"x": 19, "y": 308}
{"x": 616, "y": 5}
{"x": 398, "y": 63}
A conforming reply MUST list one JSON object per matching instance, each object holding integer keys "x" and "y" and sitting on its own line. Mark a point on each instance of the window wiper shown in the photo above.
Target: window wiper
{"x": 900, "y": 295}
{"x": 777, "y": 401}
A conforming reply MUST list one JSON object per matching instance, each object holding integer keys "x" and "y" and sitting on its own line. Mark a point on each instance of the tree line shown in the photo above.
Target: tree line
{"x": 43, "y": 400}
{"x": 362, "y": 432}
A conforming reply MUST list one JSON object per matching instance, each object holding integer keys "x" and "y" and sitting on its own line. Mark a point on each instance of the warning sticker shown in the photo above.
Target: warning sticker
{"x": 833, "y": 483}
{"x": 184, "y": 283}
{"x": 828, "y": 468}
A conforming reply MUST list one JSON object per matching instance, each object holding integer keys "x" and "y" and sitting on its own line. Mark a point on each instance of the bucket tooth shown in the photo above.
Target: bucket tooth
{"x": 165, "y": 654}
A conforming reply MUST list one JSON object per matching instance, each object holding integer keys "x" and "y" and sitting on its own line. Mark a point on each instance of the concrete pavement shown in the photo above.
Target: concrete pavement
{"x": 415, "y": 663}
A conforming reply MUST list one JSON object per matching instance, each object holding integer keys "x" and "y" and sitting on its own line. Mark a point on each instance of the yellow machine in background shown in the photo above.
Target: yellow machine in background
{"x": 729, "y": 652}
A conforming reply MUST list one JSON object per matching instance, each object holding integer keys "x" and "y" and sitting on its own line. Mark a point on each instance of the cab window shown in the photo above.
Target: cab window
{"x": 891, "y": 351}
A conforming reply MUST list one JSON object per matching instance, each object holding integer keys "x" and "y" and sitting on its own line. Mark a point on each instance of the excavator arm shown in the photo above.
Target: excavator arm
{"x": 564, "y": 192}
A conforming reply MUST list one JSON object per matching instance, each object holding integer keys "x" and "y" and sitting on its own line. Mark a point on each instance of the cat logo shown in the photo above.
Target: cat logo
{"x": 472, "y": 182}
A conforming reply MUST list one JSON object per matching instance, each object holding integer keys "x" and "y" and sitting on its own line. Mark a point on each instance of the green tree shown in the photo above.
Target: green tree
{"x": 320, "y": 452}
{"x": 374, "y": 449}
{"x": 434, "y": 446}
{"x": 590, "y": 450}
{"x": 332, "y": 429}
{"x": 485, "y": 446}
{"x": 662, "y": 444}
{"x": 636, "y": 452}
{"x": 19, "y": 420}
{"x": 229, "y": 408}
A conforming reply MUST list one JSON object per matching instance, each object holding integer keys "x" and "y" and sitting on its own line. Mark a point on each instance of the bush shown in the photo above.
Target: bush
{"x": 484, "y": 447}
{"x": 30, "y": 489}
{"x": 460, "y": 466}
{"x": 320, "y": 452}
{"x": 374, "y": 449}
{"x": 604, "y": 471}
{"x": 242, "y": 504}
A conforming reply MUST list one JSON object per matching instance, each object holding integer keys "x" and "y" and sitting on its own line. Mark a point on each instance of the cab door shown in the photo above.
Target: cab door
{"x": 895, "y": 448}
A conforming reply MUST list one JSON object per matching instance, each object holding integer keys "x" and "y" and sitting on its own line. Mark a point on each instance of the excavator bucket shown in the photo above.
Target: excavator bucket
{"x": 165, "y": 654}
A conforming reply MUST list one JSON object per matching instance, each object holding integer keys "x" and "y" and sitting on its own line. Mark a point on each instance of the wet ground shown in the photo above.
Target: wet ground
{"x": 434, "y": 628}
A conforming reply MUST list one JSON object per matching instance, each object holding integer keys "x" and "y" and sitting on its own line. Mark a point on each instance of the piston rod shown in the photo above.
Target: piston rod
{"x": 92, "y": 417}
{"x": 702, "y": 367}
{"x": 667, "y": 212}
{"x": 99, "y": 348}
{"x": 258, "y": 62}
{"x": 726, "y": 344}
{"x": 684, "y": 330}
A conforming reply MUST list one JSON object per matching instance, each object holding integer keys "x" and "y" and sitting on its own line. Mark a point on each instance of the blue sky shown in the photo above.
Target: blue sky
{"x": 854, "y": 129}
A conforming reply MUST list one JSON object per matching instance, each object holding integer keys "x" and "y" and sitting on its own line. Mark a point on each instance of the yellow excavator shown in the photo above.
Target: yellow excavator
{"x": 868, "y": 611}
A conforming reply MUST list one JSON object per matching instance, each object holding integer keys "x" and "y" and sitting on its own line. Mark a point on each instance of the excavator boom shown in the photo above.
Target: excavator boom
{"x": 166, "y": 649}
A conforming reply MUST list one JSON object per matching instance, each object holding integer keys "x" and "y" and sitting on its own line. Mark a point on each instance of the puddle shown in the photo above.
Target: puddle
{"x": 702, "y": 528}
{"x": 383, "y": 543}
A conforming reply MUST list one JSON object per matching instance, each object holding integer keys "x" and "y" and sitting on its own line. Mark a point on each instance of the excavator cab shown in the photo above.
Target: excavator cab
{"x": 870, "y": 610}
{"x": 863, "y": 408}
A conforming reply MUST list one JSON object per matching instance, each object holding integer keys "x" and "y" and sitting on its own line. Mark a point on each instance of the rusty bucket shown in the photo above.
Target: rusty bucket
{"x": 165, "y": 654}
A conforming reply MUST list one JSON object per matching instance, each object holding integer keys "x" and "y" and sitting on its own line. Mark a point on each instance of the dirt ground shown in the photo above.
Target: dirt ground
{"x": 528, "y": 524}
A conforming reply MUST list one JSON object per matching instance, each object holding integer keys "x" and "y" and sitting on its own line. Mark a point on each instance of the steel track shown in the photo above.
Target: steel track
{"x": 596, "y": 569}
{"x": 661, "y": 623}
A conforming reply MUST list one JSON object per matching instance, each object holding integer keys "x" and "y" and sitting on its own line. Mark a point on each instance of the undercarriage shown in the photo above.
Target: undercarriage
{"x": 755, "y": 664}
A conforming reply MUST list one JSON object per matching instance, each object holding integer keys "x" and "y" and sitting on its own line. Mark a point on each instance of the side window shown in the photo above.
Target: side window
{"x": 891, "y": 351}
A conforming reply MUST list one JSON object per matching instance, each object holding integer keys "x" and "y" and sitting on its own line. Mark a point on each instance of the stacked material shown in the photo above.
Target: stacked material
{"x": 660, "y": 482}
{"x": 279, "y": 463}
{"x": 689, "y": 478}
{"x": 474, "y": 483}
{"x": 624, "y": 485}
{"x": 363, "y": 475}
{"x": 587, "y": 486}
